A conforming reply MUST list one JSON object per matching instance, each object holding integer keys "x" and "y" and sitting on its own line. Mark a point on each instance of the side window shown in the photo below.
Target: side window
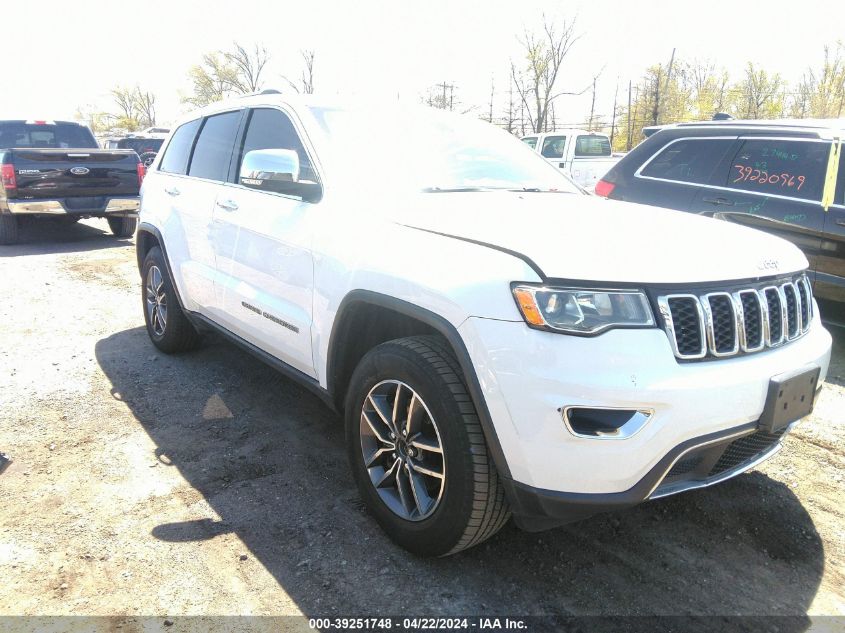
{"x": 688, "y": 160}
{"x": 787, "y": 168}
{"x": 213, "y": 151}
{"x": 272, "y": 129}
{"x": 839, "y": 198}
{"x": 530, "y": 141}
{"x": 175, "y": 159}
{"x": 553, "y": 146}
{"x": 592, "y": 145}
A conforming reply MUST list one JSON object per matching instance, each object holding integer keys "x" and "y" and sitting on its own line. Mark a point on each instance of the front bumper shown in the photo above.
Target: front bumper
{"x": 529, "y": 377}
{"x": 122, "y": 206}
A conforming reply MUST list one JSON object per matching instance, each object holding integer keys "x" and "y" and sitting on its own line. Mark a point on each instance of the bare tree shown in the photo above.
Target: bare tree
{"x": 306, "y": 79}
{"x": 247, "y": 67}
{"x": 124, "y": 101}
{"x": 145, "y": 107}
{"x": 536, "y": 81}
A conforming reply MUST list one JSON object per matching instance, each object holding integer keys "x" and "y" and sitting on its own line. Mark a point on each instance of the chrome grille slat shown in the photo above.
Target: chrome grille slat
{"x": 723, "y": 324}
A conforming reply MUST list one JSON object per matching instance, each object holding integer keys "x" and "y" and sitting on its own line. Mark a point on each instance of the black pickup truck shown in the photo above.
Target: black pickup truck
{"x": 55, "y": 169}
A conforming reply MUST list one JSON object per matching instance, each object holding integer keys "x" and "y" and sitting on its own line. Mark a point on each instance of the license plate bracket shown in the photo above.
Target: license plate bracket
{"x": 791, "y": 396}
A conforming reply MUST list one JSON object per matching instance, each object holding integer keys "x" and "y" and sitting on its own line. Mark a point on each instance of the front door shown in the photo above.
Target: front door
{"x": 266, "y": 266}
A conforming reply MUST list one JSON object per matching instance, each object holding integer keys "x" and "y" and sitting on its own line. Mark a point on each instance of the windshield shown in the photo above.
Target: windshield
{"x": 434, "y": 151}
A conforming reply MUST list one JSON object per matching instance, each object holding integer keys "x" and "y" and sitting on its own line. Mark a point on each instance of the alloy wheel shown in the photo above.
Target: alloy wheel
{"x": 402, "y": 450}
{"x": 156, "y": 301}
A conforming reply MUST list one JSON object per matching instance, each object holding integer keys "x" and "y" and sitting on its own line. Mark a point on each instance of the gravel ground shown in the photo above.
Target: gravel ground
{"x": 206, "y": 484}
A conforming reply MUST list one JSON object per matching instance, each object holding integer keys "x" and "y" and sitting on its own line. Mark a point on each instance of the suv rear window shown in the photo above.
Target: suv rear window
{"x": 213, "y": 150}
{"x": 592, "y": 145}
{"x": 47, "y": 135}
{"x": 786, "y": 168}
{"x": 688, "y": 160}
{"x": 141, "y": 145}
{"x": 178, "y": 151}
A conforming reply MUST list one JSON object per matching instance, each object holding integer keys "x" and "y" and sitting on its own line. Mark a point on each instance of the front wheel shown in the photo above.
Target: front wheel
{"x": 123, "y": 227}
{"x": 417, "y": 450}
{"x": 167, "y": 326}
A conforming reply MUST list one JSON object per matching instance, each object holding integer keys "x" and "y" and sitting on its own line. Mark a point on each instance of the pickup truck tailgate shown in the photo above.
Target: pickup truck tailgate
{"x": 50, "y": 173}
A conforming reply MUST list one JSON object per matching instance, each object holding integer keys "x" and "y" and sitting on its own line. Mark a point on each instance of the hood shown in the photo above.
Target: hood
{"x": 577, "y": 237}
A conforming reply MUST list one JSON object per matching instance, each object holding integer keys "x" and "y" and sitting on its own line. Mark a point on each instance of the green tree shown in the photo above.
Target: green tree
{"x": 225, "y": 73}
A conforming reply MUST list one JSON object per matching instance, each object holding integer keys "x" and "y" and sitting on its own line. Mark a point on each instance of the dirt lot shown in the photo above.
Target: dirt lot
{"x": 207, "y": 484}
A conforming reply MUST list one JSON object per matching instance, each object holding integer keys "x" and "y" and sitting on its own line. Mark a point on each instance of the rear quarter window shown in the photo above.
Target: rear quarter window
{"x": 590, "y": 145}
{"x": 530, "y": 141}
{"x": 782, "y": 167}
{"x": 178, "y": 151}
{"x": 687, "y": 160}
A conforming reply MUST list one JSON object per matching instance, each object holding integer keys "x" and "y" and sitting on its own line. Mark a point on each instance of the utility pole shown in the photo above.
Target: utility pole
{"x": 665, "y": 87}
{"x": 592, "y": 106}
{"x": 492, "y": 92}
{"x": 630, "y": 121}
{"x": 613, "y": 117}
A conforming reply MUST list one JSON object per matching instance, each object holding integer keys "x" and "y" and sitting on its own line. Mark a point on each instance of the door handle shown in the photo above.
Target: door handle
{"x": 227, "y": 205}
{"x": 718, "y": 201}
{"x": 841, "y": 222}
{"x": 173, "y": 191}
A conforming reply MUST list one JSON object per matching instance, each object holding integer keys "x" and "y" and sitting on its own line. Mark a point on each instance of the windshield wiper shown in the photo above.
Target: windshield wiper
{"x": 454, "y": 189}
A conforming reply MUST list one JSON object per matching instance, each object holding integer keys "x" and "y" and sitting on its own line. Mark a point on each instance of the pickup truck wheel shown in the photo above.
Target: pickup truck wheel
{"x": 8, "y": 229}
{"x": 123, "y": 227}
{"x": 167, "y": 326}
{"x": 417, "y": 450}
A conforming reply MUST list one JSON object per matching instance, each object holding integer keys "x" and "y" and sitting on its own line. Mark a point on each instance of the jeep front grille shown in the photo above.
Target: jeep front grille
{"x": 719, "y": 324}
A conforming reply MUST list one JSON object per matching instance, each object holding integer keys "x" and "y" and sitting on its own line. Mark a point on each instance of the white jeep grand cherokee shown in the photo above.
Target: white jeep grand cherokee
{"x": 498, "y": 342}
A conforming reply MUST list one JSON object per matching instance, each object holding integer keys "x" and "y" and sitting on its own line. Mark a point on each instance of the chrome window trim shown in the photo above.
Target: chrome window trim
{"x": 666, "y": 312}
{"x": 709, "y": 326}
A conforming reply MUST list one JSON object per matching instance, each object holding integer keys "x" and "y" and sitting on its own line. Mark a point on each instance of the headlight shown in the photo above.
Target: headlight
{"x": 580, "y": 311}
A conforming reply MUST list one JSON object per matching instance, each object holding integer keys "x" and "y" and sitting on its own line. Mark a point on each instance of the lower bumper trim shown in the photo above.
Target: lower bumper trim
{"x": 536, "y": 509}
{"x": 117, "y": 206}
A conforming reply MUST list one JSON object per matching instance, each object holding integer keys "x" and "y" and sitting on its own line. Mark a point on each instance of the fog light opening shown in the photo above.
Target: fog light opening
{"x": 605, "y": 422}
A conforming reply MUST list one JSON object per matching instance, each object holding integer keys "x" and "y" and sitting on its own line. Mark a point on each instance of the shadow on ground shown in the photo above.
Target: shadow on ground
{"x": 269, "y": 458}
{"x": 37, "y": 237}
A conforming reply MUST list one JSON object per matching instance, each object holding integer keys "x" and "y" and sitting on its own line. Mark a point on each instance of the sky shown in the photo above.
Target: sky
{"x": 61, "y": 55}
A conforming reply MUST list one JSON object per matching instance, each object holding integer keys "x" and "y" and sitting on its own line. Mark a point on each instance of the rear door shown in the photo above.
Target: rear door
{"x": 774, "y": 184}
{"x": 591, "y": 160}
{"x": 830, "y": 271}
{"x": 672, "y": 175}
{"x": 267, "y": 270}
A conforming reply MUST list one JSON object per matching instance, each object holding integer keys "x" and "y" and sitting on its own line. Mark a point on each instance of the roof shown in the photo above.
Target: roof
{"x": 831, "y": 126}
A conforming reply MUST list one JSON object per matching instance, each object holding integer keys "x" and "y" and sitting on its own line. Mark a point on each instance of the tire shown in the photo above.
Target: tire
{"x": 123, "y": 227}
{"x": 469, "y": 506}
{"x": 8, "y": 229}
{"x": 167, "y": 326}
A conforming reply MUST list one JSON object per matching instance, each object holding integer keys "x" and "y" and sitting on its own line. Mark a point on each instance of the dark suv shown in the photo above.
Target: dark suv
{"x": 784, "y": 177}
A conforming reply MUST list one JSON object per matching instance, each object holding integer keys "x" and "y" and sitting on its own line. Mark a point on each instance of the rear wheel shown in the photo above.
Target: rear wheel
{"x": 123, "y": 227}
{"x": 167, "y": 326}
{"x": 417, "y": 450}
{"x": 8, "y": 229}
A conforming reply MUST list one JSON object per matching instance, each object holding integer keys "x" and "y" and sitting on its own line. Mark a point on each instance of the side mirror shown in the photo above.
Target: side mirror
{"x": 277, "y": 171}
